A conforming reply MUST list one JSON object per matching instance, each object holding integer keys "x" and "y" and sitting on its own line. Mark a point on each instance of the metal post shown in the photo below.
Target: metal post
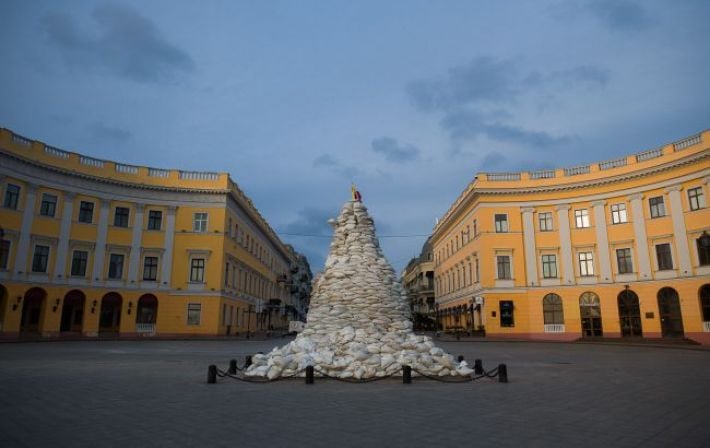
{"x": 248, "y": 322}
{"x": 232, "y": 366}
{"x": 502, "y": 373}
{"x": 247, "y": 363}
{"x": 406, "y": 375}
{"x": 309, "y": 375}
{"x": 212, "y": 374}
{"x": 478, "y": 367}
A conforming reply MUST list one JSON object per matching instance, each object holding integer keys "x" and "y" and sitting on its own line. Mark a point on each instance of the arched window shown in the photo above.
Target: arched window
{"x": 552, "y": 309}
{"x": 705, "y": 302}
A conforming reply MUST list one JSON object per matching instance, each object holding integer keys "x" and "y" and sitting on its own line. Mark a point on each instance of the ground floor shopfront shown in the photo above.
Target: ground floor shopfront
{"x": 657, "y": 309}
{"x": 50, "y": 311}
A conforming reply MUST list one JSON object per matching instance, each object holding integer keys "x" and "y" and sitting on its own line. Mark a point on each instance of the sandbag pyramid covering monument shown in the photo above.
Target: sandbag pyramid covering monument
{"x": 358, "y": 324}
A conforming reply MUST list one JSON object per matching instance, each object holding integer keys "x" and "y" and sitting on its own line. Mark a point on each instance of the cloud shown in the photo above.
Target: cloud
{"x": 394, "y": 151}
{"x": 101, "y": 132}
{"x": 481, "y": 98}
{"x": 328, "y": 161}
{"x": 311, "y": 221}
{"x": 127, "y": 45}
{"x": 620, "y": 15}
{"x": 483, "y": 79}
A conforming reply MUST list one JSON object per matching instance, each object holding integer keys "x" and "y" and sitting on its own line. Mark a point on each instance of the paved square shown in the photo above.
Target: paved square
{"x": 154, "y": 393}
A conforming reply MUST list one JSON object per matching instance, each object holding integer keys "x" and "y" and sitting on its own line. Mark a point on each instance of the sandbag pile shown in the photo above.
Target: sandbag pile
{"x": 358, "y": 325}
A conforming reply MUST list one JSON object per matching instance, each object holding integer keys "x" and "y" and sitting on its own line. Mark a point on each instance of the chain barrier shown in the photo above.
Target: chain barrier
{"x": 500, "y": 372}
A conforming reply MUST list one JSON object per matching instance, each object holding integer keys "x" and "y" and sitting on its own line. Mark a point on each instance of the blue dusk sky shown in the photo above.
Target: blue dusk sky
{"x": 408, "y": 99}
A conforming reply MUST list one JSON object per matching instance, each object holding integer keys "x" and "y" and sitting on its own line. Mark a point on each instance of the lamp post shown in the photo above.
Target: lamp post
{"x": 471, "y": 312}
{"x": 249, "y": 322}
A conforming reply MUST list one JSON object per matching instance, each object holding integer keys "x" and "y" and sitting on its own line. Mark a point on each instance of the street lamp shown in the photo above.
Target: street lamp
{"x": 249, "y": 322}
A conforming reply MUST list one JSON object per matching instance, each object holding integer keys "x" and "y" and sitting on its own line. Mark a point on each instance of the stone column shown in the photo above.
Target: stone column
{"x": 23, "y": 244}
{"x": 602, "y": 242}
{"x": 565, "y": 244}
{"x": 167, "y": 262}
{"x": 685, "y": 267}
{"x": 644, "y": 260}
{"x": 135, "y": 257}
{"x": 530, "y": 249}
{"x": 64, "y": 234}
{"x": 100, "y": 252}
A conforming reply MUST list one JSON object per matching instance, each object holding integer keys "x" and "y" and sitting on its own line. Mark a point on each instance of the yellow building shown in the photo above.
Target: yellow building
{"x": 91, "y": 248}
{"x": 612, "y": 249}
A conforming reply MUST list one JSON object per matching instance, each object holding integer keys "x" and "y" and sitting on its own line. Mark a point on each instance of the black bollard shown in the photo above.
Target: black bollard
{"x": 309, "y": 374}
{"x": 460, "y": 358}
{"x": 247, "y": 363}
{"x": 212, "y": 374}
{"x": 232, "y": 367}
{"x": 406, "y": 375}
{"x": 478, "y": 367}
{"x": 502, "y": 373}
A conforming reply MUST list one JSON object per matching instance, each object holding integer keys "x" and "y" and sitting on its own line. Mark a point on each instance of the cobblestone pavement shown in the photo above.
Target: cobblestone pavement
{"x": 154, "y": 393}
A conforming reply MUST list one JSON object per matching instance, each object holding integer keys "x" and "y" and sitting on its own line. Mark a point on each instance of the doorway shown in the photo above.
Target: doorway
{"x": 669, "y": 310}
{"x": 591, "y": 315}
{"x": 629, "y": 314}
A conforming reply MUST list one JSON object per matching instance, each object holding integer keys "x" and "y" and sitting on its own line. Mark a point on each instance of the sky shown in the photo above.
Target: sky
{"x": 408, "y": 99}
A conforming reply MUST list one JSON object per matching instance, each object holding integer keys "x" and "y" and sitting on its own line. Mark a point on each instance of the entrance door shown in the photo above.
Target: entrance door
{"x": 591, "y": 315}
{"x": 32, "y": 310}
{"x": 3, "y": 304}
{"x": 669, "y": 309}
{"x": 72, "y": 312}
{"x": 629, "y": 314}
{"x": 110, "y": 317}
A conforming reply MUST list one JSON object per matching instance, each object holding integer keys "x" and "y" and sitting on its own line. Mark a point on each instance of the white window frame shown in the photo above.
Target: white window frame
{"x": 619, "y": 214}
{"x": 194, "y": 307}
{"x": 697, "y": 201}
{"x": 581, "y": 218}
{"x": 585, "y": 262}
{"x": 545, "y": 217}
{"x": 200, "y": 225}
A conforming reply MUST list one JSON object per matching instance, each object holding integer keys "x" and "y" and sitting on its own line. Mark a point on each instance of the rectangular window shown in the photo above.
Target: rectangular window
{"x": 229, "y": 228}
{"x": 48, "y": 207}
{"x": 696, "y": 198}
{"x": 586, "y": 264}
{"x": 503, "y": 262}
{"x": 545, "y": 221}
{"x": 703, "y": 250}
{"x": 475, "y": 263}
{"x": 475, "y": 228}
{"x": 120, "y": 217}
{"x": 200, "y": 222}
{"x": 4, "y": 253}
{"x": 150, "y": 268}
{"x": 618, "y": 213}
{"x": 79, "y": 260}
{"x": 155, "y": 219}
{"x": 12, "y": 196}
{"x": 224, "y": 314}
{"x": 194, "y": 310}
{"x": 623, "y": 261}
{"x": 658, "y": 209}
{"x": 501, "y": 223}
{"x": 115, "y": 267}
{"x": 581, "y": 218}
{"x": 40, "y": 259}
{"x": 86, "y": 212}
{"x": 549, "y": 266}
{"x": 507, "y": 318}
{"x": 197, "y": 270}
{"x": 663, "y": 255}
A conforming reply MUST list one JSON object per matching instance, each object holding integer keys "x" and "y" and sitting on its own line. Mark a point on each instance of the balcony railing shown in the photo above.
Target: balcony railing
{"x": 498, "y": 177}
{"x": 145, "y": 328}
{"x": 20, "y": 140}
{"x": 198, "y": 175}
{"x": 621, "y": 161}
{"x": 577, "y": 170}
{"x": 155, "y": 172}
{"x": 542, "y": 174}
{"x": 554, "y": 328}
{"x": 126, "y": 169}
{"x": 690, "y": 141}
{"x": 706, "y": 327}
{"x": 90, "y": 161}
{"x": 650, "y": 154}
{"x": 56, "y": 152}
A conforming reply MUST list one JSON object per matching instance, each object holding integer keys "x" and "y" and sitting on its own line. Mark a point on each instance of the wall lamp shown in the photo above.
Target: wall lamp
{"x": 130, "y": 305}
{"x": 17, "y": 303}
{"x": 56, "y": 305}
{"x": 93, "y": 306}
